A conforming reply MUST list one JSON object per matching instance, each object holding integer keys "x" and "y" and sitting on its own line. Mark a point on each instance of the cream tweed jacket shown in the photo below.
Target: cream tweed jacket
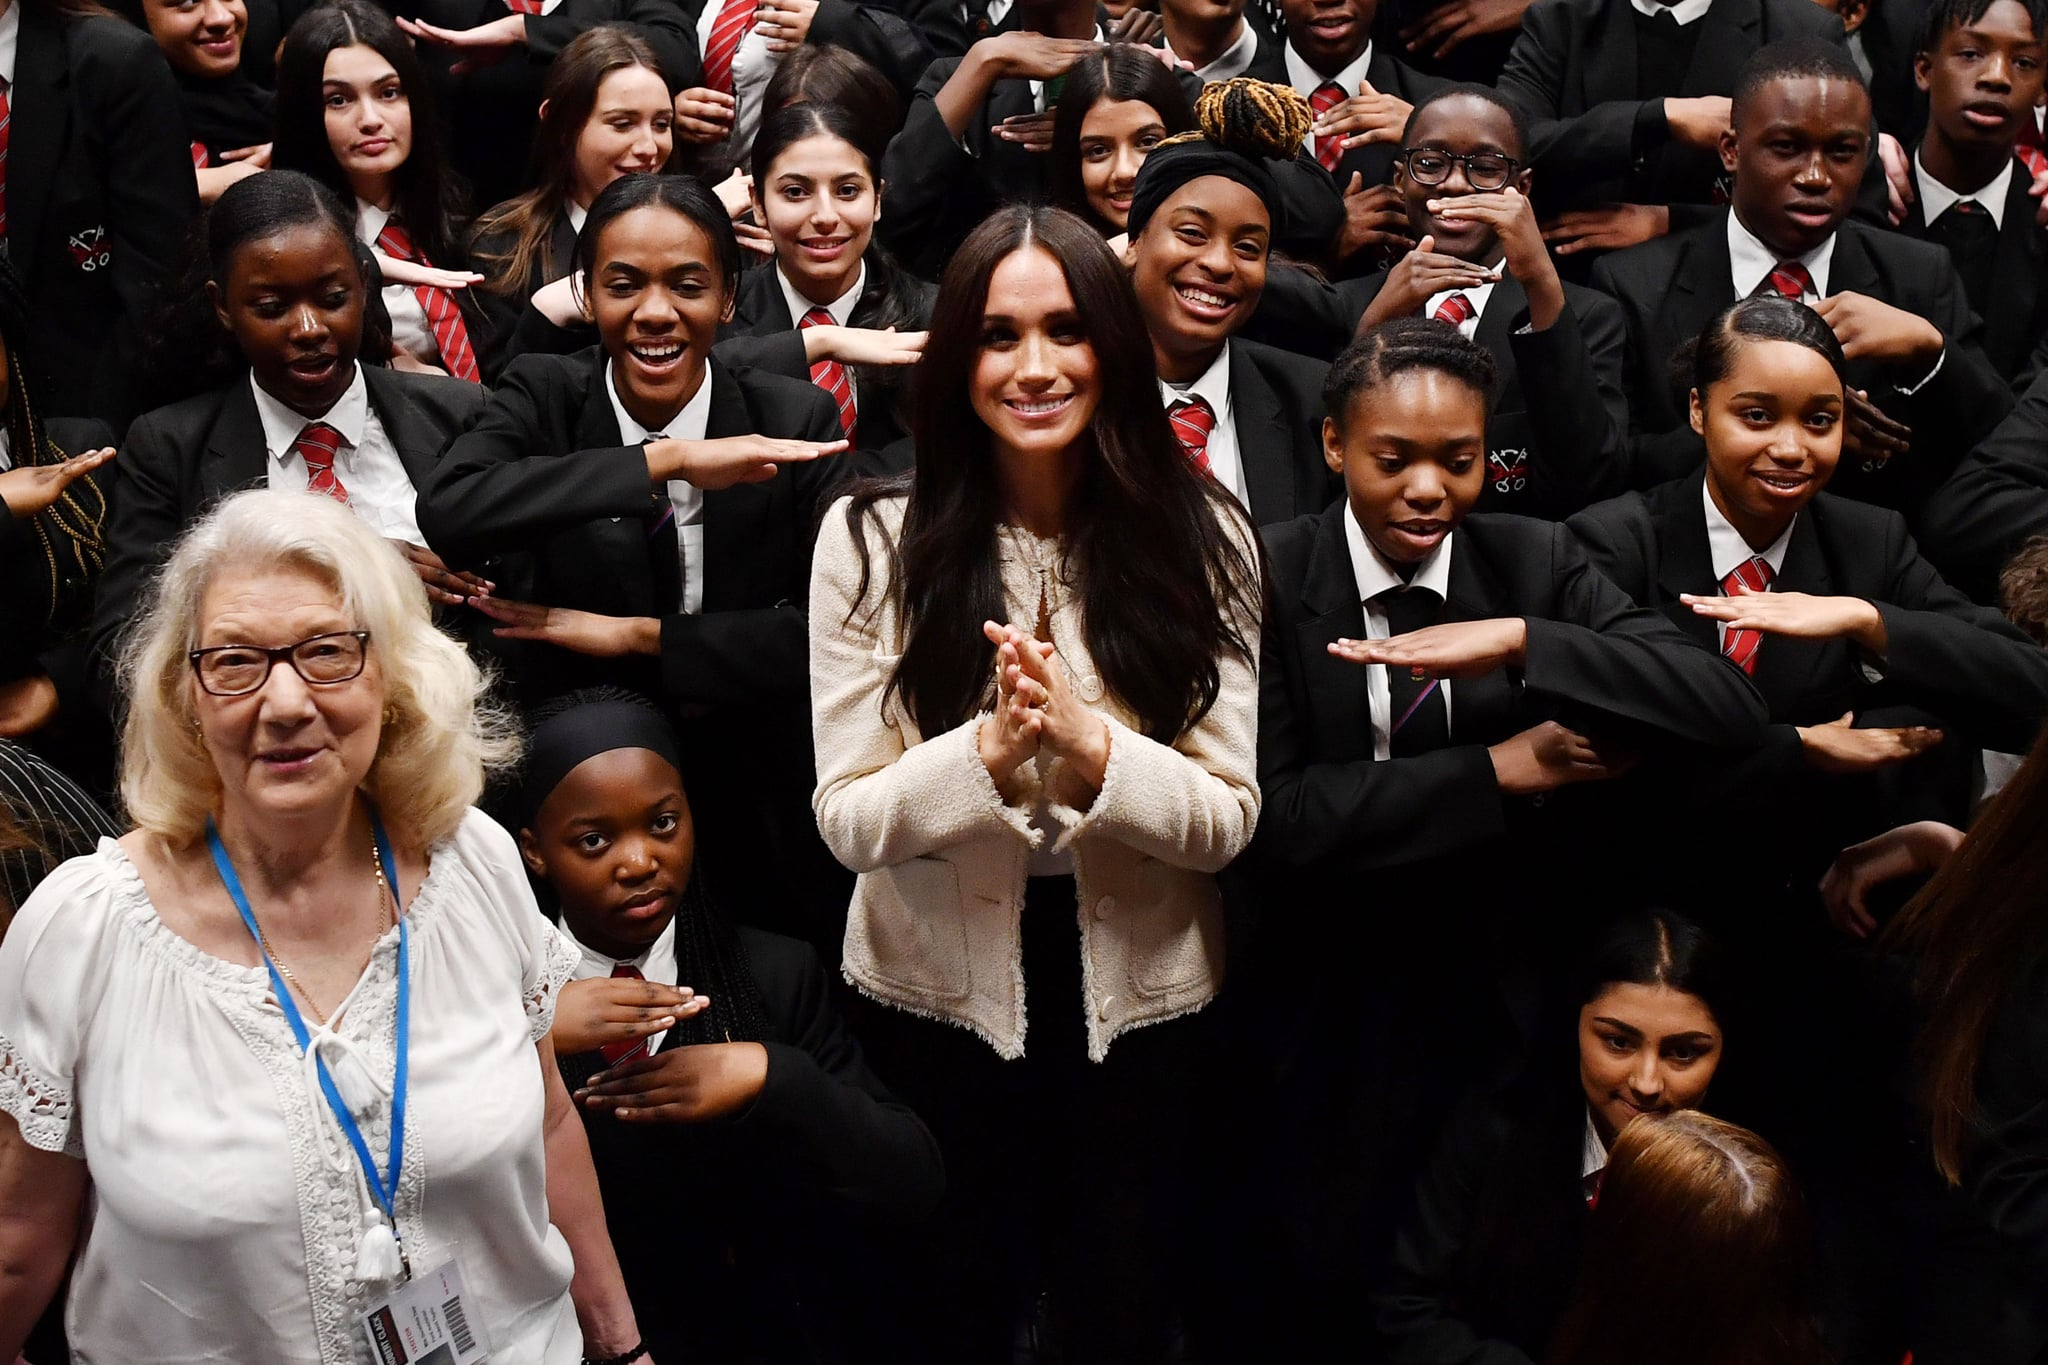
{"x": 934, "y": 926}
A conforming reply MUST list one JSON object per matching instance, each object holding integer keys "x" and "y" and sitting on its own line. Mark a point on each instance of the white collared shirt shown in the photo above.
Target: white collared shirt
{"x": 409, "y": 330}
{"x": 575, "y": 213}
{"x": 752, "y": 67}
{"x": 1213, "y": 385}
{"x": 684, "y": 496}
{"x": 10, "y": 39}
{"x": 1684, "y": 12}
{"x": 657, "y": 964}
{"x": 1592, "y": 1156}
{"x": 1937, "y": 198}
{"x": 1375, "y": 576}
{"x": 840, "y": 308}
{"x": 998, "y": 10}
{"x": 1728, "y": 550}
{"x": 1307, "y": 80}
{"x": 1038, "y": 87}
{"x": 1233, "y": 61}
{"x": 1476, "y": 295}
{"x": 1750, "y": 262}
{"x": 367, "y": 465}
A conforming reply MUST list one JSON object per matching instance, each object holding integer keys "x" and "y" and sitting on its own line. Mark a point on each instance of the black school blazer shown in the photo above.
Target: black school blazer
{"x": 1329, "y": 805}
{"x": 1557, "y": 421}
{"x": 100, "y": 194}
{"x": 1964, "y": 663}
{"x": 2015, "y": 311}
{"x": 1671, "y": 288}
{"x": 1276, "y": 403}
{"x": 763, "y": 334}
{"x": 1996, "y": 499}
{"x": 507, "y": 325}
{"x": 542, "y": 471}
{"x": 179, "y": 460}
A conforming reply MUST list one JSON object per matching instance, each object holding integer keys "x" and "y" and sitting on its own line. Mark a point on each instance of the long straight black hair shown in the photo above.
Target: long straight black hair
{"x": 1162, "y": 580}
{"x": 429, "y": 194}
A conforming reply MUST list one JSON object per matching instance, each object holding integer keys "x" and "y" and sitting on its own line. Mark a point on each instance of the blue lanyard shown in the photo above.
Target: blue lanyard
{"x": 384, "y": 1189}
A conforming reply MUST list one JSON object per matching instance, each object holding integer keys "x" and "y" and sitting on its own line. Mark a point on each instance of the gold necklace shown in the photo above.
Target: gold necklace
{"x": 385, "y": 900}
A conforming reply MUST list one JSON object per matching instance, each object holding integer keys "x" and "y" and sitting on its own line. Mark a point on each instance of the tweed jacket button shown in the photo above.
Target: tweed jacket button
{"x": 1105, "y": 907}
{"x": 1102, "y": 1010}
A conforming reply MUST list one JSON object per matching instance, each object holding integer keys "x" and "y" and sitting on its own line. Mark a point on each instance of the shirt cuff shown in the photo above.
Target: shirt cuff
{"x": 1910, "y": 389}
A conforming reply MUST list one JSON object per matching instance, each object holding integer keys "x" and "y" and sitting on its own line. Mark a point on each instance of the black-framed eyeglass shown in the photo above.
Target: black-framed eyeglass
{"x": 1483, "y": 170}
{"x": 322, "y": 660}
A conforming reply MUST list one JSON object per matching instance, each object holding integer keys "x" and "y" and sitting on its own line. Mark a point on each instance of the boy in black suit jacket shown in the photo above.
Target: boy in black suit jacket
{"x": 1557, "y": 427}
{"x": 1413, "y": 805}
{"x": 1922, "y": 389}
{"x": 1981, "y": 63}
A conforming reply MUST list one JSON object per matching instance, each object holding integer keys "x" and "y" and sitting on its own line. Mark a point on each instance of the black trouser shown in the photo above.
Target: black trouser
{"x": 1066, "y": 1179}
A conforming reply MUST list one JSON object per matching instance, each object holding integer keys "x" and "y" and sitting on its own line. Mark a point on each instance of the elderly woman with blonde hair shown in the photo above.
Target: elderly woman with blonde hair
{"x": 291, "y": 1033}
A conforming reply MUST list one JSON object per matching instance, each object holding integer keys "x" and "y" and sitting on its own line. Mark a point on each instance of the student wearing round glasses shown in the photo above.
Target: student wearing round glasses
{"x": 1557, "y": 421}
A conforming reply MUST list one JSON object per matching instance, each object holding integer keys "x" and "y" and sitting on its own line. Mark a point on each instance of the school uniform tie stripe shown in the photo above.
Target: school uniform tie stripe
{"x": 444, "y": 319}
{"x": 318, "y": 444}
{"x": 612, "y": 1052}
{"x": 527, "y": 6}
{"x": 1457, "y": 310}
{"x": 1788, "y": 279}
{"x": 1740, "y": 646}
{"x": 831, "y": 376}
{"x": 199, "y": 156}
{"x": 1193, "y": 420}
{"x": 728, "y": 30}
{"x": 6, "y": 117}
{"x": 1329, "y": 150}
{"x": 1418, "y": 721}
{"x": 2033, "y": 158}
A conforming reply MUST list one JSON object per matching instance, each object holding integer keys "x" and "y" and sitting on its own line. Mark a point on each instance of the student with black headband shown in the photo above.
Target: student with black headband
{"x": 52, "y": 549}
{"x": 1200, "y": 239}
{"x": 742, "y": 1144}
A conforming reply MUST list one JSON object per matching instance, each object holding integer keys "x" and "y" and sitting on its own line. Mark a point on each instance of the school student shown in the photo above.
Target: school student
{"x": 1558, "y": 422}
{"x": 96, "y": 193}
{"x": 1033, "y": 691}
{"x": 663, "y": 506}
{"x": 605, "y": 112}
{"x": 1201, "y": 235}
{"x": 1116, "y": 106}
{"x": 1864, "y": 656}
{"x": 1431, "y": 683}
{"x": 354, "y": 112}
{"x": 1485, "y": 1261}
{"x": 1215, "y": 38}
{"x": 227, "y": 114}
{"x": 1922, "y": 391}
{"x": 280, "y": 396}
{"x": 1982, "y": 63}
{"x": 721, "y": 1090}
{"x": 832, "y": 307}
{"x": 1627, "y": 101}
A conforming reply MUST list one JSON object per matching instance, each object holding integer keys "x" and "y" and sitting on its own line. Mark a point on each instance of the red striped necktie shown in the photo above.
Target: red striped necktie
{"x": 831, "y": 376}
{"x": 1329, "y": 150}
{"x": 1740, "y": 646}
{"x": 200, "y": 157}
{"x": 527, "y": 6}
{"x": 1455, "y": 310}
{"x": 318, "y": 444}
{"x": 444, "y": 319}
{"x": 612, "y": 1052}
{"x": 735, "y": 20}
{"x": 1193, "y": 419}
{"x": 1790, "y": 280}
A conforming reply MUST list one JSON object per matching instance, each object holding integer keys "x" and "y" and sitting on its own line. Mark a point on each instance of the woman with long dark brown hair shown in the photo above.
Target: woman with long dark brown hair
{"x": 1033, "y": 686}
{"x": 605, "y": 112}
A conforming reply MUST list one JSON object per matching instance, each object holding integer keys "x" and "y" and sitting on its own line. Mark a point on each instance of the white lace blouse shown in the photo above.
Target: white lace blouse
{"x": 226, "y": 1206}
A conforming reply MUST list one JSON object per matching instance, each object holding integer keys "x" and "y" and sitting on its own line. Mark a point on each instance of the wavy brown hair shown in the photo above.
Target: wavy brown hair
{"x": 1698, "y": 1254}
{"x": 1975, "y": 934}
{"x": 1162, "y": 580}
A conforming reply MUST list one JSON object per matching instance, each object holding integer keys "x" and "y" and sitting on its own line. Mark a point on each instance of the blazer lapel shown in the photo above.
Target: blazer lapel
{"x": 1789, "y": 669}
{"x": 1264, "y": 444}
{"x": 1506, "y": 309}
{"x": 1728, "y": 35}
{"x": 236, "y": 456}
{"x": 1853, "y": 270}
{"x": 40, "y": 115}
{"x": 761, "y": 310}
{"x": 619, "y": 542}
{"x": 733, "y": 517}
{"x": 418, "y": 444}
{"x": 2008, "y": 327}
{"x": 1337, "y": 688}
{"x": 1703, "y": 282}
{"x": 1684, "y": 561}
{"x": 1483, "y": 707}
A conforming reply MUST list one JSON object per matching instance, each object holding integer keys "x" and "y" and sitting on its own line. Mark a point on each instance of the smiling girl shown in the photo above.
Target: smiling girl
{"x": 353, "y": 111}
{"x": 1118, "y": 104}
{"x": 227, "y": 114}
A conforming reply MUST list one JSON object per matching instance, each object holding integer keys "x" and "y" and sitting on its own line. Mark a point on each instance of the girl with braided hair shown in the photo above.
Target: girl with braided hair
{"x": 739, "y": 1137}
{"x": 51, "y": 539}
{"x": 1201, "y": 235}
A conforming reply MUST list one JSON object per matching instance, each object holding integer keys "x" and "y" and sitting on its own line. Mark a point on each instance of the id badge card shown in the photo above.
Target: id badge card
{"x": 424, "y": 1321}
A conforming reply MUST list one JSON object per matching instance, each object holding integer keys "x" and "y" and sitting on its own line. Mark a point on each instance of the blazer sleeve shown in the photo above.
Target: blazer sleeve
{"x": 1602, "y": 650}
{"x": 1192, "y": 803}
{"x": 1977, "y": 670}
{"x": 1965, "y": 399}
{"x": 1571, "y": 376}
{"x": 498, "y": 487}
{"x": 883, "y": 39}
{"x": 883, "y": 797}
{"x": 1600, "y": 143}
{"x": 671, "y": 33}
{"x": 841, "y": 1130}
{"x": 1302, "y": 313}
{"x": 931, "y": 182}
{"x": 145, "y": 514}
{"x": 1996, "y": 498}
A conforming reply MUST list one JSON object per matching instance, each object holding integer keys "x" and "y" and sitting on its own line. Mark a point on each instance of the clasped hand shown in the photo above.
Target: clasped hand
{"x": 1037, "y": 712}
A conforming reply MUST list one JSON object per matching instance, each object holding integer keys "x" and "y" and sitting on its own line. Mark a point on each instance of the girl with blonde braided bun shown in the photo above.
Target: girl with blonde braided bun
{"x": 52, "y": 547}
{"x": 1201, "y": 232}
